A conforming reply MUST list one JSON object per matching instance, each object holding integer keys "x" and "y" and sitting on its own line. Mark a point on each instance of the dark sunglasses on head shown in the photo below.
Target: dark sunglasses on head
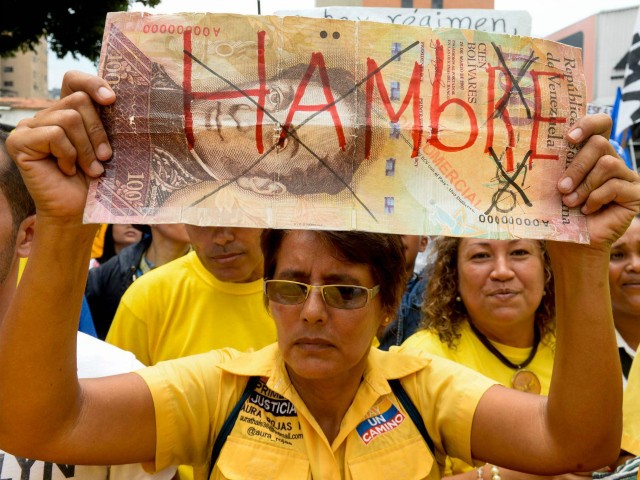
{"x": 347, "y": 297}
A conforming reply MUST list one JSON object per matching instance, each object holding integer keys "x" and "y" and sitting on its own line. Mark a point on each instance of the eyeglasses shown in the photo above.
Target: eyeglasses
{"x": 347, "y": 297}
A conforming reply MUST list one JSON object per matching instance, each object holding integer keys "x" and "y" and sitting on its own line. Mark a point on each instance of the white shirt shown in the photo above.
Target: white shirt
{"x": 632, "y": 353}
{"x": 95, "y": 359}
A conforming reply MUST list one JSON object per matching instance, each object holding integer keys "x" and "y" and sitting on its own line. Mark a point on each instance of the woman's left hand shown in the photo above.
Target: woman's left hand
{"x": 600, "y": 182}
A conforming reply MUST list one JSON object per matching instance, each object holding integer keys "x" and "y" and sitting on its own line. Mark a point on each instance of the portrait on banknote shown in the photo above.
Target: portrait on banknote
{"x": 312, "y": 123}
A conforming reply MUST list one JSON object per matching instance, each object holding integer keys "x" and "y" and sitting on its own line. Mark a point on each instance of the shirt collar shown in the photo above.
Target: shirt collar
{"x": 623, "y": 344}
{"x": 381, "y": 367}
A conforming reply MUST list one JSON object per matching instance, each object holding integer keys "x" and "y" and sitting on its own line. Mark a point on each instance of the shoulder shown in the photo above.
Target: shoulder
{"x": 118, "y": 264}
{"x": 103, "y": 272}
{"x": 442, "y": 379}
{"x": 195, "y": 371}
{"x": 132, "y": 254}
{"x": 427, "y": 341}
{"x": 419, "y": 284}
{"x": 445, "y": 377}
{"x": 163, "y": 277}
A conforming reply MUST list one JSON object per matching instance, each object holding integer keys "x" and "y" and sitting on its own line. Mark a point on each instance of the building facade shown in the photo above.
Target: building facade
{"x": 605, "y": 39}
{"x": 25, "y": 74}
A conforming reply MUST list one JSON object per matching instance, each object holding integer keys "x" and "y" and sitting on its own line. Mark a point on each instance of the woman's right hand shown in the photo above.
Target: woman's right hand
{"x": 62, "y": 148}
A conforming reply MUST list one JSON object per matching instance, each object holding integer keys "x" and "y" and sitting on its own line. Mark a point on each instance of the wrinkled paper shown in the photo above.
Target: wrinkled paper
{"x": 292, "y": 122}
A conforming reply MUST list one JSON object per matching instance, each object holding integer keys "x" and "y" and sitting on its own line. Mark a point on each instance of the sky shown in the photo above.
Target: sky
{"x": 547, "y": 16}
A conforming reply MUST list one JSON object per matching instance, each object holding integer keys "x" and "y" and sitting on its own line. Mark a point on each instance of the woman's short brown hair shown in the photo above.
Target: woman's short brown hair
{"x": 382, "y": 253}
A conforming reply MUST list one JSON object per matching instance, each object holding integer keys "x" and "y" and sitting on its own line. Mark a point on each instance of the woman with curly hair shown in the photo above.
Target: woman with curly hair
{"x": 490, "y": 305}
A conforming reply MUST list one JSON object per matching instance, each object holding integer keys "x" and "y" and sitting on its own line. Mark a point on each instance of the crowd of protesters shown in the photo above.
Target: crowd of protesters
{"x": 298, "y": 354}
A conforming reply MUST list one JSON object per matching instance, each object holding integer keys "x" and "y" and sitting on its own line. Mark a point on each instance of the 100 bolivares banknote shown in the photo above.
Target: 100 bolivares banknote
{"x": 290, "y": 122}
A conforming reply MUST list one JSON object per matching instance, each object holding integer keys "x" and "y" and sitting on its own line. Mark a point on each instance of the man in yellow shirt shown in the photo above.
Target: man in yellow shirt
{"x": 211, "y": 298}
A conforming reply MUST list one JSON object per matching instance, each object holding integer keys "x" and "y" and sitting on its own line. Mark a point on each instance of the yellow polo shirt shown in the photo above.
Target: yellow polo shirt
{"x": 472, "y": 353}
{"x": 631, "y": 411}
{"x": 276, "y": 436}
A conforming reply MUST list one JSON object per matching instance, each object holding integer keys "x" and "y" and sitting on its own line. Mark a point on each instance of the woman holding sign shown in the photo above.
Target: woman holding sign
{"x": 320, "y": 402}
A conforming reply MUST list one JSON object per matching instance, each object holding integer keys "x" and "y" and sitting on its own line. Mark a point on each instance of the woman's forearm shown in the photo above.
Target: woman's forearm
{"x": 39, "y": 390}
{"x": 585, "y": 397}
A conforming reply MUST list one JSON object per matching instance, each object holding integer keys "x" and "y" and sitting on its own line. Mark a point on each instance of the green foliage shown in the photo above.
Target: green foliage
{"x": 72, "y": 26}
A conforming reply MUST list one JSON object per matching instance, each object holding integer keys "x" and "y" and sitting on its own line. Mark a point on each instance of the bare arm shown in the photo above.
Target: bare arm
{"x": 578, "y": 426}
{"x": 47, "y": 413}
{"x": 506, "y": 474}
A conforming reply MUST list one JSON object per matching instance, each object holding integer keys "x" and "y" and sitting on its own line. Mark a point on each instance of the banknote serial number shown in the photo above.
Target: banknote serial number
{"x": 179, "y": 29}
{"x": 506, "y": 220}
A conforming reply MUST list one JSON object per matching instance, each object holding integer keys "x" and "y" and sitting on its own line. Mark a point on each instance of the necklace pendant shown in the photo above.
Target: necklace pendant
{"x": 526, "y": 381}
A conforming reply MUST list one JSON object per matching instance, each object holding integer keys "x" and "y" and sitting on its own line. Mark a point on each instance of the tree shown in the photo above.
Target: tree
{"x": 72, "y": 26}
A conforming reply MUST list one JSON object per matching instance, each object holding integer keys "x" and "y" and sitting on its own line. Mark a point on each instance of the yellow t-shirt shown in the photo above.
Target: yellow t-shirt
{"x": 276, "y": 435}
{"x": 98, "y": 242}
{"x": 472, "y": 353}
{"x": 181, "y": 309}
{"x": 21, "y": 266}
{"x": 631, "y": 410}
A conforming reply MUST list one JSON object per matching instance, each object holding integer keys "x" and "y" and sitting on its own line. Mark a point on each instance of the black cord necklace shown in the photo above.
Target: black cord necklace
{"x": 524, "y": 380}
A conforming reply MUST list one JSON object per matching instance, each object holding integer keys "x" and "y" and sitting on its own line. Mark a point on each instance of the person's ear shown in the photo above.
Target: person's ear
{"x": 424, "y": 241}
{"x": 24, "y": 238}
{"x": 382, "y": 326}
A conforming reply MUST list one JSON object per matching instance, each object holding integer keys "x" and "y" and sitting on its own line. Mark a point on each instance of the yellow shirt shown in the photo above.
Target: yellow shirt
{"x": 472, "y": 353}
{"x": 181, "y": 309}
{"x": 631, "y": 411}
{"x": 275, "y": 435}
{"x": 98, "y": 242}
{"x": 21, "y": 266}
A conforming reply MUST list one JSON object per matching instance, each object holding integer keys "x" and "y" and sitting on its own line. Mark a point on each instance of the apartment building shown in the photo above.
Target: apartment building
{"x": 25, "y": 74}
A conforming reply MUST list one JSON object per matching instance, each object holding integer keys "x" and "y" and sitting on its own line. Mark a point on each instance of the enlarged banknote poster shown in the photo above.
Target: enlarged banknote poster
{"x": 291, "y": 122}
